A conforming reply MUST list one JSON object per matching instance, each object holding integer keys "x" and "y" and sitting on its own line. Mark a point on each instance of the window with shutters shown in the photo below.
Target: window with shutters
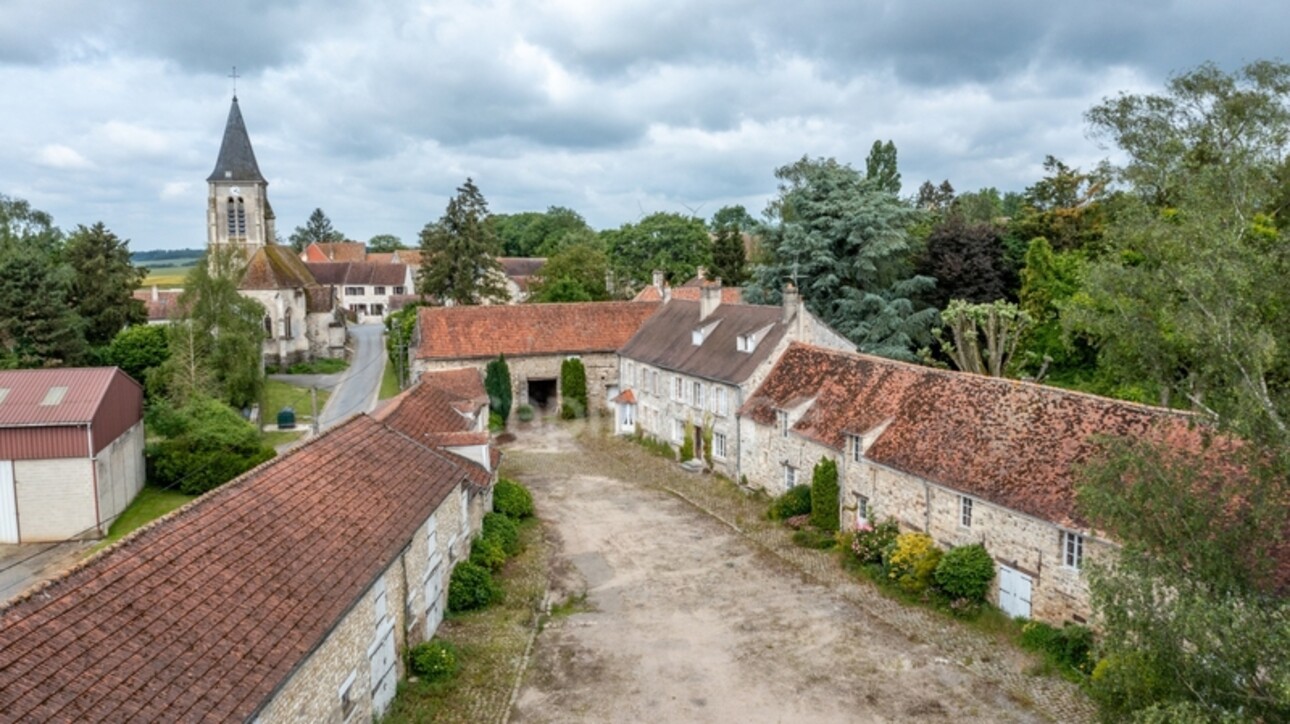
{"x": 722, "y": 405}
{"x": 697, "y": 389}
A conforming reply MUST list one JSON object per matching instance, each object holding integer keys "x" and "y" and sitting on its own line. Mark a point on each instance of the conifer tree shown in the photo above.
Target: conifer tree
{"x": 459, "y": 253}
{"x": 103, "y": 282}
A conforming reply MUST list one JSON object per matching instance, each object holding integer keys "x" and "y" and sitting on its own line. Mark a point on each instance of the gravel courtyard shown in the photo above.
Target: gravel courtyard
{"x": 683, "y": 606}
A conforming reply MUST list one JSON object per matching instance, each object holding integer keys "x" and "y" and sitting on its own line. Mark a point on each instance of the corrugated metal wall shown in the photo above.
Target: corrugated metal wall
{"x": 39, "y": 443}
{"x": 121, "y": 409}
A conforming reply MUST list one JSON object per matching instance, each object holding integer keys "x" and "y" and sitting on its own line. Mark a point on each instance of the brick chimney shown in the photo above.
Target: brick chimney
{"x": 791, "y": 302}
{"x": 155, "y": 294}
{"x": 709, "y": 298}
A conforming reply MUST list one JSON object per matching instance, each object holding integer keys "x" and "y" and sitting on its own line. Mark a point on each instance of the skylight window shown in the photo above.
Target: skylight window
{"x": 4, "y": 392}
{"x": 54, "y": 396}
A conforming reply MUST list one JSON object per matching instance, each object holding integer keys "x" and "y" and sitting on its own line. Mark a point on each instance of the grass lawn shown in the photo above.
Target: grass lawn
{"x": 278, "y": 394}
{"x": 282, "y": 437}
{"x": 389, "y": 382}
{"x": 151, "y": 503}
{"x": 318, "y": 367}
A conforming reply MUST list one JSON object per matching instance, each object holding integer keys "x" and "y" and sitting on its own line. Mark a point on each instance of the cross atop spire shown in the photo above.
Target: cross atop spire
{"x": 234, "y": 76}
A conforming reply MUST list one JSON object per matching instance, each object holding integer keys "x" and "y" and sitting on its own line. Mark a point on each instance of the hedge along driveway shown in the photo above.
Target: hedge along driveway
{"x": 701, "y": 610}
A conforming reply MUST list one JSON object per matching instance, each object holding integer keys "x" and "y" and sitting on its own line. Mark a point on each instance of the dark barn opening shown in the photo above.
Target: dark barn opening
{"x": 542, "y": 394}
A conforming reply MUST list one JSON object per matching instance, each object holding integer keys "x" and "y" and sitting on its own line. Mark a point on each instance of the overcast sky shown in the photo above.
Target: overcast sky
{"x": 376, "y": 111}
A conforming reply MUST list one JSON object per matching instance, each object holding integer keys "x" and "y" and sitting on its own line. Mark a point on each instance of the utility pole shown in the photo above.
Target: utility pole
{"x": 313, "y": 402}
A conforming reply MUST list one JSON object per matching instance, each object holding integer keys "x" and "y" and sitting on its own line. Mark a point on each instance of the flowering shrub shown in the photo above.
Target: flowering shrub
{"x": 911, "y": 561}
{"x": 870, "y": 541}
{"x": 433, "y": 660}
{"x": 798, "y": 522}
{"x": 966, "y": 572}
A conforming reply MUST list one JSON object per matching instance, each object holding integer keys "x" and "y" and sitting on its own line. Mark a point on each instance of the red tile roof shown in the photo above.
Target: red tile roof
{"x": 359, "y": 273}
{"x": 688, "y": 293}
{"x": 411, "y": 257}
{"x": 337, "y": 251}
{"x": 378, "y": 257}
{"x": 30, "y": 397}
{"x": 203, "y": 614}
{"x": 521, "y": 266}
{"x": 475, "y": 332}
{"x": 443, "y": 409}
{"x": 1009, "y": 442}
{"x": 162, "y": 304}
{"x": 275, "y": 267}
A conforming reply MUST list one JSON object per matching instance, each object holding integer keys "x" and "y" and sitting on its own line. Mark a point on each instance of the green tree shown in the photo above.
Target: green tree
{"x": 460, "y": 251}
{"x": 206, "y": 444}
{"x": 217, "y": 347}
{"x": 729, "y": 259}
{"x": 400, "y": 327}
{"x": 573, "y": 389}
{"x": 533, "y": 233}
{"x": 574, "y": 274}
{"x": 138, "y": 350}
{"x": 24, "y": 226}
{"x": 984, "y": 337}
{"x": 846, "y": 242}
{"x": 880, "y": 167}
{"x": 968, "y": 262}
{"x": 383, "y": 243}
{"x": 497, "y": 383}
{"x": 1048, "y": 281}
{"x": 103, "y": 282}
{"x": 317, "y": 229}
{"x": 1068, "y": 207}
{"x": 675, "y": 244}
{"x": 38, "y": 328}
{"x": 824, "y": 495}
{"x": 735, "y": 215}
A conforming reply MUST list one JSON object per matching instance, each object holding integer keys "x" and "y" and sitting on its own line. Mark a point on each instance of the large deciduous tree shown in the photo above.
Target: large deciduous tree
{"x": 675, "y": 244}
{"x": 382, "y": 243}
{"x": 459, "y": 253}
{"x": 880, "y": 167}
{"x": 103, "y": 282}
{"x": 968, "y": 262}
{"x": 846, "y": 242}
{"x": 317, "y": 229}
{"x": 574, "y": 274}
{"x": 983, "y": 337}
{"x": 533, "y": 233}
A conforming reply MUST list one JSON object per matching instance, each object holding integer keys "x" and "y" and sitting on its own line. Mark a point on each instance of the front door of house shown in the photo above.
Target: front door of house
{"x": 1014, "y": 592}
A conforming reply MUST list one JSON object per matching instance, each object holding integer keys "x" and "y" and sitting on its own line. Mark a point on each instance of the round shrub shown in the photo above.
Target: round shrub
{"x": 471, "y": 587}
{"x": 966, "y": 572}
{"x": 512, "y": 499}
{"x": 433, "y": 660}
{"x": 524, "y": 413}
{"x": 797, "y": 501}
{"x": 499, "y": 528}
{"x": 496, "y": 423}
{"x": 911, "y": 561}
{"x": 488, "y": 553}
{"x": 870, "y": 541}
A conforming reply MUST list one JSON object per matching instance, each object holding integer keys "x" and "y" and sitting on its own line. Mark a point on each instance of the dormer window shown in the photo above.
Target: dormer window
{"x": 698, "y": 336}
{"x": 782, "y": 416}
{"x": 748, "y": 342}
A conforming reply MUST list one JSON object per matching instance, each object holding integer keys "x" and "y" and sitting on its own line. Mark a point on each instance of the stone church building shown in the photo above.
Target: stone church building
{"x": 303, "y": 319}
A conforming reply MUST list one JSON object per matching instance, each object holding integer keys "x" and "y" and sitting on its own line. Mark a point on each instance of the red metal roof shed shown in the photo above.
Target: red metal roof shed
{"x": 68, "y": 412}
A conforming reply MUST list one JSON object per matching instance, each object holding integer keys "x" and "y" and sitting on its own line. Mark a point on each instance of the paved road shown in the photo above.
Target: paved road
{"x": 359, "y": 386}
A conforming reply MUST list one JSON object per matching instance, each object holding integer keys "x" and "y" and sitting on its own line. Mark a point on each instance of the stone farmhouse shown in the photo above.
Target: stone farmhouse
{"x": 536, "y": 339}
{"x": 285, "y": 595}
{"x": 692, "y": 365}
{"x": 338, "y": 252}
{"x": 962, "y": 457}
{"x": 71, "y": 452}
{"x": 161, "y": 305}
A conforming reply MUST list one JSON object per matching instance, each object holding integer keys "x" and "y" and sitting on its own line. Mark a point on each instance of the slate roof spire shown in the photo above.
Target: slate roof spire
{"x": 236, "y": 159}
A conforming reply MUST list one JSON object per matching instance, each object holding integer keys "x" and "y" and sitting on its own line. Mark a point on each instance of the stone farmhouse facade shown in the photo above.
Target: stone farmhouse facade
{"x": 964, "y": 458}
{"x": 691, "y": 366}
{"x": 364, "y": 288}
{"x": 535, "y": 338}
{"x": 71, "y": 452}
{"x": 287, "y": 594}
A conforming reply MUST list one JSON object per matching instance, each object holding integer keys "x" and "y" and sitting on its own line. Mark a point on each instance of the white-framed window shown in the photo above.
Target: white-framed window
{"x": 965, "y": 511}
{"x": 697, "y": 389}
{"x": 783, "y": 422}
{"x": 719, "y": 445}
{"x": 862, "y": 509}
{"x": 857, "y": 447}
{"x": 678, "y": 388}
{"x": 653, "y": 375}
{"x": 378, "y": 291}
{"x": 630, "y": 375}
{"x": 790, "y": 476}
{"x": 464, "y": 498}
{"x": 723, "y": 405}
{"x": 354, "y": 291}
{"x": 678, "y": 430}
{"x": 346, "y": 694}
{"x": 399, "y": 290}
{"x": 1072, "y": 549}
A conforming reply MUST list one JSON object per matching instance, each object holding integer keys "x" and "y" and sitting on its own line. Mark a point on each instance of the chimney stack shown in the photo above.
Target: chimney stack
{"x": 709, "y": 298}
{"x": 701, "y": 274}
{"x": 156, "y": 295}
{"x": 791, "y": 302}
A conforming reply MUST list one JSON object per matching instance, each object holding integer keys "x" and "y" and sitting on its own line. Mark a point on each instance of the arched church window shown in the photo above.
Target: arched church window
{"x": 268, "y": 325}
{"x": 241, "y": 217}
{"x": 232, "y": 216}
{"x": 286, "y": 322}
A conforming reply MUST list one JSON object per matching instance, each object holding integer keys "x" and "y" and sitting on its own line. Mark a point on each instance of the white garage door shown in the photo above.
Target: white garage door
{"x": 434, "y": 599}
{"x": 1014, "y": 592}
{"x": 384, "y": 678}
{"x": 8, "y": 504}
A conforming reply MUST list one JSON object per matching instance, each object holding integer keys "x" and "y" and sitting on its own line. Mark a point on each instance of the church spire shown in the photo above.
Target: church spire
{"x": 236, "y": 159}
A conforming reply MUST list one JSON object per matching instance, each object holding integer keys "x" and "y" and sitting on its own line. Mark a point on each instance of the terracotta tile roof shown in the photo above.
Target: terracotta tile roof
{"x": 379, "y": 257}
{"x": 164, "y": 307}
{"x": 626, "y": 396}
{"x": 411, "y": 257}
{"x": 276, "y": 267}
{"x": 320, "y": 299}
{"x": 399, "y": 301}
{"x": 1009, "y": 442}
{"x": 688, "y": 293}
{"x": 474, "y": 332}
{"x": 359, "y": 273}
{"x": 665, "y": 340}
{"x": 443, "y": 409}
{"x": 521, "y": 266}
{"x": 202, "y": 614}
{"x": 340, "y": 251}
{"x": 31, "y": 397}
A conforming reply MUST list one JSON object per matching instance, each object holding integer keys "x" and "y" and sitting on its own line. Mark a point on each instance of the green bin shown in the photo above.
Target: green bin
{"x": 286, "y": 418}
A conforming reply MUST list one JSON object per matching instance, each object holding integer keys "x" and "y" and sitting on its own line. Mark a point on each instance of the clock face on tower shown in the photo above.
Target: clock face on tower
{"x": 236, "y": 191}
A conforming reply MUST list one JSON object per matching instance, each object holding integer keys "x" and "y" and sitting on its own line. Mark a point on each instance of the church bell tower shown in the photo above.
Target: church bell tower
{"x": 238, "y": 213}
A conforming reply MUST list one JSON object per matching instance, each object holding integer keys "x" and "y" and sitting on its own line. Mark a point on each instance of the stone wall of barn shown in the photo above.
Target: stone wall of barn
{"x": 602, "y": 373}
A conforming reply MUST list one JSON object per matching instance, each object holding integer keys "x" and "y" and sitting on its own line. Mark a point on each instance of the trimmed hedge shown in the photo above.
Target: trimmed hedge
{"x": 797, "y": 501}
{"x": 966, "y": 572}
{"x": 504, "y": 531}
{"x": 512, "y": 499}
{"x": 488, "y": 553}
{"x": 573, "y": 389}
{"x": 824, "y": 495}
{"x": 471, "y": 587}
